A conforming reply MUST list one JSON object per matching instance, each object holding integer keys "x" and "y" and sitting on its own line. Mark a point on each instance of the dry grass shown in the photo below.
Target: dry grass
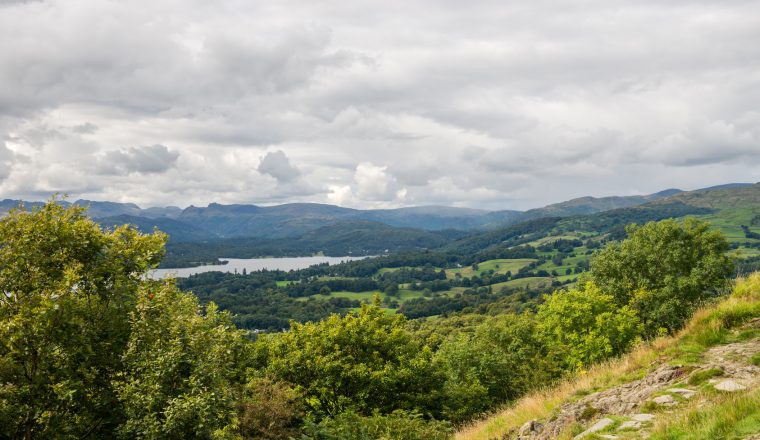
{"x": 706, "y": 328}
{"x": 541, "y": 404}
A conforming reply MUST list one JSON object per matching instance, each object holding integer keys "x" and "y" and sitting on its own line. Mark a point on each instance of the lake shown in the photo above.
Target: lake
{"x": 251, "y": 265}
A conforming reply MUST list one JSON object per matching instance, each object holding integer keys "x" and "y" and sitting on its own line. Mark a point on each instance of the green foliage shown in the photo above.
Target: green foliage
{"x": 180, "y": 368}
{"x": 586, "y": 326}
{"x": 270, "y": 410}
{"x": 755, "y": 359}
{"x": 399, "y": 425}
{"x": 664, "y": 270}
{"x": 366, "y": 360}
{"x": 702, "y": 376}
{"x": 503, "y": 359}
{"x": 67, "y": 289}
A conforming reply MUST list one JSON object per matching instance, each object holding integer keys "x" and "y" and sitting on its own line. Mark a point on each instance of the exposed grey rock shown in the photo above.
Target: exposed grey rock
{"x": 729, "y": 385}
{"x": 596, "y": 427}
{"x": 642, "y": 417}
{"x": 528, "y": 428}
{"x": 629, "y": 424}
{"x": 683, "y": 392}
{"x": 665, "y": 400}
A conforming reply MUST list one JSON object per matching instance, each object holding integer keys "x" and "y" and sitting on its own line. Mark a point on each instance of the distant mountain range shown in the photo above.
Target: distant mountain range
{"x": 305, "y": 221}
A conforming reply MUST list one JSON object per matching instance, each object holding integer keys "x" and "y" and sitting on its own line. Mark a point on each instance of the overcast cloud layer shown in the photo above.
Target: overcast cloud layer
{"x": 493, "y": 104}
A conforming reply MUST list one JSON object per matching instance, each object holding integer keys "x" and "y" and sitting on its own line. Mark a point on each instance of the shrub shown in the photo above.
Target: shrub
{"x": 366, "y": 360}
{"x": 586, "y": 325}
{"x": 398, "y": 425}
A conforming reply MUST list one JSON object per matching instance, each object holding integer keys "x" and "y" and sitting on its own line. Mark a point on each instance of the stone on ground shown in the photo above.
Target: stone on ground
{"x": 629, "y": 424}
{"x": 683, "y": 392}
{"x": 729, "y": 385}
{"x": 665, "y": 400}
{"x": 642, "y": 417}
{"x": 598, "y": 426}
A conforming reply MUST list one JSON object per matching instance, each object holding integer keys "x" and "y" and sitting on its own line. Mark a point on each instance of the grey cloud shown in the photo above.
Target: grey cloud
{"x": 277, "y": 165}
{"x": 86, "y": 128}
{"x": 710, "y": 143}
{"x": 144, "y": 160}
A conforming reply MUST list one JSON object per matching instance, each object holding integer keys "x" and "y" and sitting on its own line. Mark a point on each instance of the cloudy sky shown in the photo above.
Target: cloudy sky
{"x": 481, "y": 103}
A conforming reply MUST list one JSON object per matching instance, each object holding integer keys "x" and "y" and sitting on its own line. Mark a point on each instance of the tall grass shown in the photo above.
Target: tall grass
{"x": 727, "y": 417}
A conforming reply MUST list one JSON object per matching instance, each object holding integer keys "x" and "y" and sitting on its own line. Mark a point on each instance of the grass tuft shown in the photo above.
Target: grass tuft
{"x": 702, "y": 376}
{"x": 732, "y": 416}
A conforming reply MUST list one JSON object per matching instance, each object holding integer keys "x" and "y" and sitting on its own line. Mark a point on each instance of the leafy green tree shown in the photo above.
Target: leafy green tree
{"x": 67, "y": 289}
{"x": 503, "y": 359}
{"x": 585, "y": 325}
{"x": 366, "y": 360}
{"x": 391, "y": 289}
{"x": 665, "y": 270}
{"x": 181, "y": 367}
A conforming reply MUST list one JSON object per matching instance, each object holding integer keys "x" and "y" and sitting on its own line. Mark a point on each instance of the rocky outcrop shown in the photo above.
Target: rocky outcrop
{"x": 619, "y": 408}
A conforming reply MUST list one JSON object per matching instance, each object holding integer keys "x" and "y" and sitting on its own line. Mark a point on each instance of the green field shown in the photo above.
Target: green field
{"x": 567, "y": 263}
{"x": 521, "y": 283}
{"x": 499, "y": 266}
{"x": 729, "y": 222}
{"x": 395, "y": 269}
{"x": 285, "y": 283}
{"x": 553, "y": 238}
{"x": 403, "y": 295}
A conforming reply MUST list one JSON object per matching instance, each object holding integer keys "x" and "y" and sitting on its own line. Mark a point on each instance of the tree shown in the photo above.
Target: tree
{"x": 181, "y": 368}
{"x": 586, "y": 326}
{"x": 664, "y": 270}
{"x": 391, "y": 289}
{"x": 502, "y": 360}
{"x": 366, "y": 360}
{"x": 67, "y": 290}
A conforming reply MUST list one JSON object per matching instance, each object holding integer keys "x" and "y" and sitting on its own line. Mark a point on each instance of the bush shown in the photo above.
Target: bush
{"x": 398, "y": 425}
{"x": 270, "y": 410}
{"x": 366, "y": 360}
{"x": 586, "y": 326}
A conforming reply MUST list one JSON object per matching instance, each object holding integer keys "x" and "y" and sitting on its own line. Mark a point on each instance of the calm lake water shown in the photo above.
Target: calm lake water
{"x": 252, "y": 264}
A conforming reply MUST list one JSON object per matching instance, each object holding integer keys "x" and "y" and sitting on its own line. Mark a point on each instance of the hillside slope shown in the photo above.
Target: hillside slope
{"x": 703, "y": 383}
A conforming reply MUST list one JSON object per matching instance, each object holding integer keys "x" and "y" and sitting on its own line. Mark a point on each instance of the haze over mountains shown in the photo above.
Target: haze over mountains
{"x": 216, "y": 221}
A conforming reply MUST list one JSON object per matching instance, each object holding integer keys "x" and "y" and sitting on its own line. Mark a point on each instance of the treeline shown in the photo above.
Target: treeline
{"x": 341, "y": 239}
